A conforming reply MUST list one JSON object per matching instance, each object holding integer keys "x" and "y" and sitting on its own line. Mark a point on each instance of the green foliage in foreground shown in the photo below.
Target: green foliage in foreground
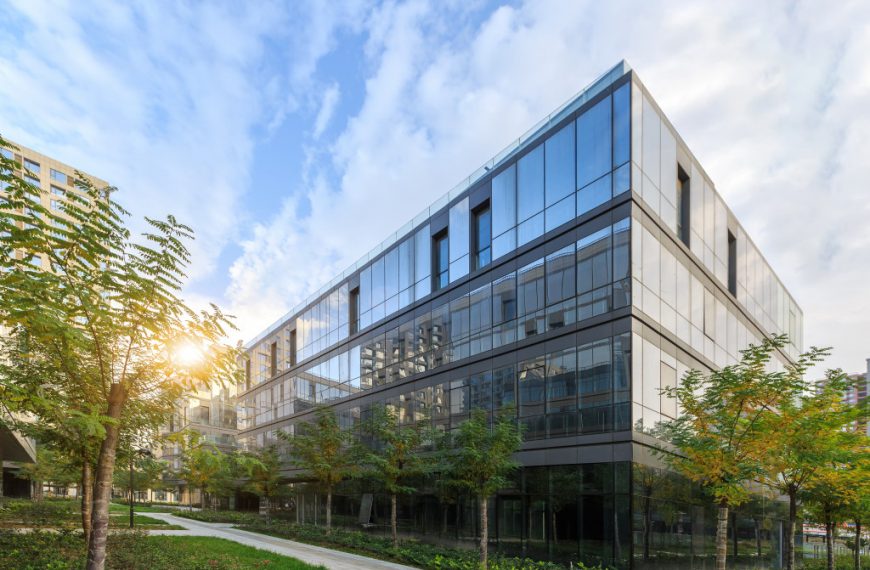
{"x": 61, "y": 513}
{"x": 137, "y": 551}
{"x": 841, "y": 562}
{"x": 421, "y": 555}
{"x": 235, "y": 517}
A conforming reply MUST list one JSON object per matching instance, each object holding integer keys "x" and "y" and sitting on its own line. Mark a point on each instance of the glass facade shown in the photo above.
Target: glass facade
{"x": 559, "y": 285}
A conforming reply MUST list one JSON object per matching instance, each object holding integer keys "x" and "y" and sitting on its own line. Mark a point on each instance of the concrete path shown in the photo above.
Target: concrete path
{"x": 331, "y": 559}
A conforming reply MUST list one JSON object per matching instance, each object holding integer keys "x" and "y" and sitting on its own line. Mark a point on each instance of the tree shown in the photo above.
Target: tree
{"x": 720, "y": 437}
{"x": 200, "y": 464}
{"x": 393, "y": 458}
{"x": 858, "y": 509}
{"x": 481, "y": 460}
{"x": 104, "y": 309}
{"x": 265, "y": 475}
{"x": 827, "y": 497}
{"x": 234, "y": 474}
{"x": 51, "y": 467}
{"x": 809, "y": 443}
{"x": 324, "y": 452}
{"x": 147, "y": 471}
{"x": 68, "y": 412}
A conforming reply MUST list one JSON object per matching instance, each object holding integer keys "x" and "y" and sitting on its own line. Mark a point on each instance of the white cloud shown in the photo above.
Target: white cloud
{"x": 771, "y": 97}
{"x": 169, "y": 124}
{"x": 327, "y": 107}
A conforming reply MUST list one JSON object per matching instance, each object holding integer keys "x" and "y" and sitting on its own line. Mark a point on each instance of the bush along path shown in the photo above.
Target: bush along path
{"x": 412, "y": 553}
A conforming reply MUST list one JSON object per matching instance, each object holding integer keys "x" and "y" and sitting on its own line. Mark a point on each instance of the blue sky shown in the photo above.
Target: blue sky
{"x": 295, "y": 136}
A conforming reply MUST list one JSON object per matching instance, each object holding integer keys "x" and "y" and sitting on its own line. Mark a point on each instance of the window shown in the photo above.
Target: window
{"x": 55, "y": 204}
{"x": 422, "y": 261}
{"x": 531, "y": 380}
{"x": 31, "y": 180}
{"x": 560, "y": 275}
{"x": 482, "y": 236}
{"x": 459, "y": 239}
{"x": 353, "y": 308}
{"x": 441, "y": 254}
{"x": 273, "y": 359}
{"x": 504, "y": 299}
{"x": 530, "y": 287}
{"x": 503, "y": 387}
{"x": 596, "y": 386}
{"x": 593, "y": 143}
{"x": 683, "y": 206}
{"x": 31, "y": 166}
{"x": 559, "y": 179}
{"x": 292, "y": 354}
{"x": 6, "y": 153}
{"x": 504, "y": 211}
{"x": 562, "y": 393}
{"x": 530, "y": 195}
{"x": 621, "y": 124}
{"x": 58, "y": 176}
{"x": 732, "y": 264}
{"x": 58, "y": 191}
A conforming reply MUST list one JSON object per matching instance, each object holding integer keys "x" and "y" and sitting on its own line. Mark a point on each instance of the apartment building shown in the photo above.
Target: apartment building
{"x": 57, "y": 180}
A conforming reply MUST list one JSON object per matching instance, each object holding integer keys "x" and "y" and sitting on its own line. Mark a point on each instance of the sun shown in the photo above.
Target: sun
{"x": 187, "y": 354}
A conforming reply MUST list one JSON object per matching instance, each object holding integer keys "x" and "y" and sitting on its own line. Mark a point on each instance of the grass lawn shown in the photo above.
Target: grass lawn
{"x": 116, "y": 507}
{"x": 59, "y": 513}
{"x": 137, "y": 551}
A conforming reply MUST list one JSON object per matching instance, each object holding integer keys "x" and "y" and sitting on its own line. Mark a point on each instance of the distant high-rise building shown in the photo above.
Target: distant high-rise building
{"x": 210, "y": 413}
{"x": 859, "y": 390}
{"x": 57, "y": 181}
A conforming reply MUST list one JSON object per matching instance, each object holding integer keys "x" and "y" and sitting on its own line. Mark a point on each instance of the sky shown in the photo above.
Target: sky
{"x": 295, "y": 136}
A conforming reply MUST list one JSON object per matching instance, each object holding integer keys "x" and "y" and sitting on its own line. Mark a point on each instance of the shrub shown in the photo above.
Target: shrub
{"x": 235, "y": 517}
{"x": 422, "y": 555}
{"x": 841, "y": 562}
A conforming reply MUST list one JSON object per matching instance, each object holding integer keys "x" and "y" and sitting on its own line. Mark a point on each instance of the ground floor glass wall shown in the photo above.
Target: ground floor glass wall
{"x": 619, "y": 515}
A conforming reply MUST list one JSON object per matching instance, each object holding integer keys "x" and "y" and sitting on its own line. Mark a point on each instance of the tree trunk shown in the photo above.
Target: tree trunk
{"x": 792, "y": 518}
{"x": 857, "y": 545}
{"x": 329, "y": 510}
{"x": 647, "y": 525}
{"x": 87, "y": 498}
{"x": 393, "y": 520}
{"x": 103, "y": 483}
{"x": 829, "y": 543}
{"x": 722, "y": 536}
{"x": 555, "y": 534}
{"x": 734, "y": 532}
{"x": 758, "y": 538}
{"x": 484, "y": 532}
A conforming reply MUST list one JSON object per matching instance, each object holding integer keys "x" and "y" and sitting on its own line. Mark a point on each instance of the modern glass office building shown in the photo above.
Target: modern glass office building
{"x": 584, "y": 268}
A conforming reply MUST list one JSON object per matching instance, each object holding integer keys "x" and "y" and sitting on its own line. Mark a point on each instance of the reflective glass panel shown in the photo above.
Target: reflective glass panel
{"x": 621, "y": 124}
{"x": 559, "y": 157}
{"x": 504, "y": 201}
{"x": 530, "y": 184}
{"x": 593, "y": 143}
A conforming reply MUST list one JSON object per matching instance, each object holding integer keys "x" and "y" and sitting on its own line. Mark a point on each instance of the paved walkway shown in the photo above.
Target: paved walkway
{"x": 331, "y": 559}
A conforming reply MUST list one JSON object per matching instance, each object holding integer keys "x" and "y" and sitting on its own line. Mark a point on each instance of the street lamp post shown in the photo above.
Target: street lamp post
{"x": 141, "y": 453}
